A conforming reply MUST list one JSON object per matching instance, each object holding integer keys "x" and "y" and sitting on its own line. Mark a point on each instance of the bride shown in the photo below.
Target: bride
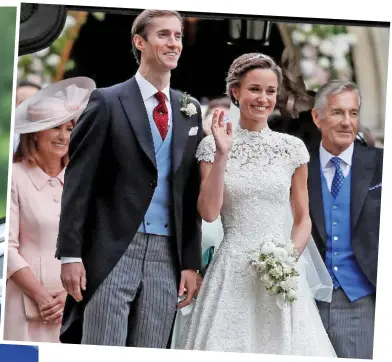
{"x": 251, "y": 176}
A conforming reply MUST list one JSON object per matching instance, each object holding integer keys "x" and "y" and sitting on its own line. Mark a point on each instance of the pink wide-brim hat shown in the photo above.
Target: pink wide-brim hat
{"x": 54, "y": 105}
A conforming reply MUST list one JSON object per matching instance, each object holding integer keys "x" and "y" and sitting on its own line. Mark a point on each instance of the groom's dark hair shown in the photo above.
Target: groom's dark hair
{"x": 139, "y": 26}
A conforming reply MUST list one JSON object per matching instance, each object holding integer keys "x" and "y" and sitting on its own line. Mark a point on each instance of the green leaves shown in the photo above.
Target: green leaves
{"x": 7, "y": 45}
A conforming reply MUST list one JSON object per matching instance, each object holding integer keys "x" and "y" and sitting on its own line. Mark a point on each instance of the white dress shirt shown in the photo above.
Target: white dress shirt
{"x": 329, "y": 169}
{"x": 147, "y": 91}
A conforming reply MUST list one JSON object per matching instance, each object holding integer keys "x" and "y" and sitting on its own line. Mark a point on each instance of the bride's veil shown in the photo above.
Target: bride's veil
{"x": 317, "y": 275}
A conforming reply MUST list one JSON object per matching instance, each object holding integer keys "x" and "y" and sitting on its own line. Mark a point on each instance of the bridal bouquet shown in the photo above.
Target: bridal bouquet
{"x": 275, "y": 265}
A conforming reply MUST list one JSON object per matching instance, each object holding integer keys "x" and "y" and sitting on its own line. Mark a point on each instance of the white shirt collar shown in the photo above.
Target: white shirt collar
{"x": 346, "y": 156}
{"x": 148, "y": 90}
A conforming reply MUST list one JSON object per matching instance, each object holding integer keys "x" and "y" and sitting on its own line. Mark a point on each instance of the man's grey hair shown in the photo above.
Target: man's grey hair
{"x": 331, "y": 88}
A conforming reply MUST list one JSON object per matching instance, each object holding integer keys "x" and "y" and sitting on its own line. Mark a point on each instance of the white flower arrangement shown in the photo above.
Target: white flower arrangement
{"x": 275, "y": 266}
{"x": 187, "y": 106}
{"x": 326, "y": 52}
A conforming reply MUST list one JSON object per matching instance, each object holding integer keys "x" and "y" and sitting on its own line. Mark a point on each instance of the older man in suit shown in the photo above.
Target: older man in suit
{"x": 345, "y": 197}
{"x": 130, "y": 233}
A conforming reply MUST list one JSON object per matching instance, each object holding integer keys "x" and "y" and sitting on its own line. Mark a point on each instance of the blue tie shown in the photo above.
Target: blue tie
{"x": 338, "y": 179}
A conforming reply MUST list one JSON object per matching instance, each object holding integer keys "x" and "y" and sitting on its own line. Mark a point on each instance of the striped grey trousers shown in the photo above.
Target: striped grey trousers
{"x": 135, "y": 305}
{"x": 350, "y": 325}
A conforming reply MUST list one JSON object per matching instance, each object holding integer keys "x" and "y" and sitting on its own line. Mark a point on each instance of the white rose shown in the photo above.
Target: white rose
{"x": 268, "y": 248}
{"x": 271, "y": 262}
{"x": 53, "y": 60}
{"x": 326, "y": 47}
{"x": 308, "y": 51}
{"x": 297, "y": 37}
{"x": 280, "y": 254}
{"x": 284, "y": 285}
{"x": 314, "y": 40}
{"x": 277, "y": 271}
{"x": 292, "y": 294}
{"x": 191, "y": 109}
{"x": 272, "y": 272}
{"x": 307, "y": 67}
{"x": 340, "y": 64}
{"x": 270, "y": 243}
{"x": 324, "y": 62}
{"x": 340, "y": 46}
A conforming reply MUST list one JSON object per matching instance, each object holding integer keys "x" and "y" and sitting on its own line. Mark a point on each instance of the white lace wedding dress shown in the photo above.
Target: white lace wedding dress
{"x": 233, "y": 311}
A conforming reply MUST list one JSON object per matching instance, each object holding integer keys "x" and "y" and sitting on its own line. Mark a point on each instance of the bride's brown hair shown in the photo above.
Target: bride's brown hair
{"x": 244, "y": 64}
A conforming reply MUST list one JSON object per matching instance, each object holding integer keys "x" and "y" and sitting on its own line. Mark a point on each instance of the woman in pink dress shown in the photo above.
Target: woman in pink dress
{"x": 35, "y": 297}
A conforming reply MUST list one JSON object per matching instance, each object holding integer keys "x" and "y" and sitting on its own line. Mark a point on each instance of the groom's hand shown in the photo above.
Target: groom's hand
{"x": 73, "y": 278}
{"x": 188, "y": 286}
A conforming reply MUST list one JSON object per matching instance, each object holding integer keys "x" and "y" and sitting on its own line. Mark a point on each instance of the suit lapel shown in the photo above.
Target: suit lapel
{"x": 133, "y": 104}
{"x": 362, "y": 171}
{"x": 180, "y": 136}
{"x": 315, "y": 194}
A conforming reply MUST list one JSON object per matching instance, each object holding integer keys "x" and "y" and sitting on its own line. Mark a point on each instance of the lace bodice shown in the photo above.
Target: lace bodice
{"x": 233, "y": 311}
{"x": 258, "y": 178}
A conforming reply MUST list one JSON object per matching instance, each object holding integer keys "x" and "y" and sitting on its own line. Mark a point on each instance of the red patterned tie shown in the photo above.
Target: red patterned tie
{"x": 161, "y": 115}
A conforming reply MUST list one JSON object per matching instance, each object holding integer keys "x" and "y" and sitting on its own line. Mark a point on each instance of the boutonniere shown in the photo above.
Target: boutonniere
{"x": 187, "y": 106}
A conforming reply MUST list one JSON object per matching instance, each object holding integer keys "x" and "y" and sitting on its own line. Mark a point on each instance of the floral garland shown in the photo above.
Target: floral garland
{"x": 325, "y": 52}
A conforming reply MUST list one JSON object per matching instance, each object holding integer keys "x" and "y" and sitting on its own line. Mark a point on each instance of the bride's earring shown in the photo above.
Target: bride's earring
{"x": 236, "y": 103}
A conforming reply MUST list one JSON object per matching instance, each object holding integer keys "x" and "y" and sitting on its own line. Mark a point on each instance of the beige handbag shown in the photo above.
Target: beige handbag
{"x": 31, "y": 309}
{"x": 51, "y": 281}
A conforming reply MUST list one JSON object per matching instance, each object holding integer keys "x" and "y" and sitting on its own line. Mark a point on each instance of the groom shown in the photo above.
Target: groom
{"x": 345, "y": 200}
{"x": 129, "y": 236}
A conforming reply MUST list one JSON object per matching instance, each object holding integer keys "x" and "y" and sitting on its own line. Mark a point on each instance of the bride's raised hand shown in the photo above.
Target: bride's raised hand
{"x": 222, "y": 135}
